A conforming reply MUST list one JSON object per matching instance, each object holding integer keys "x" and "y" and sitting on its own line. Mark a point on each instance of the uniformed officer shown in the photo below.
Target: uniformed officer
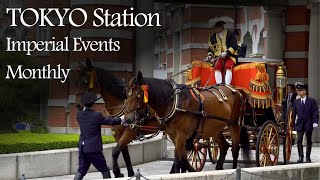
{"x": 307, "y": 113}
{"x": 223, "y": 45}
{"x": 90, "y": 143}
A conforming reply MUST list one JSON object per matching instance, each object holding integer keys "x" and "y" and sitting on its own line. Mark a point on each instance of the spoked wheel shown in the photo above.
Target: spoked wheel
{"x": 213, "y": 151}
{"x": 197, "y": 156}
{"x": 288, "y": 139}
{"x": 267, "y": 151}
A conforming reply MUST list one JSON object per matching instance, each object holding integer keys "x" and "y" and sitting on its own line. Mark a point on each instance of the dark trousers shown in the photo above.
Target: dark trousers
{"x": 309, "y": 143}
{"x": 308, "y": 134}
{"x": 95, "y": 158}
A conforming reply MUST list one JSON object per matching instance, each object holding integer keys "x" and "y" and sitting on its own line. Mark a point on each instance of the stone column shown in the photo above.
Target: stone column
{"x": 314, "y": 60}
{"x": 313, "y": 55}
{"x": 144, "y": 41}
{"x": 275, "y": 34}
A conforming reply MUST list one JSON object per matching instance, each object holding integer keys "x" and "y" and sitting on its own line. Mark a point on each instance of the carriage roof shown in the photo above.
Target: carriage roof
{"x": 261, "y": 60}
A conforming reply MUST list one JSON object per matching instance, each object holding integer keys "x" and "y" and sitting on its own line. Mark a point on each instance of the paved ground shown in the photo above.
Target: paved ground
{"x": 164, "y": 166}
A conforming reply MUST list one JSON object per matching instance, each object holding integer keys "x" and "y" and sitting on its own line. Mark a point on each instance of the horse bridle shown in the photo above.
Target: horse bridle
{"x": 147, "y": 114}
{"x": 139, "y": 117}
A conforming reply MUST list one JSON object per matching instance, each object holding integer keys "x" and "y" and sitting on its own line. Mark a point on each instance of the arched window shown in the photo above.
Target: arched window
{"x": 261, "y": 43}
{"x": 247, "y": 40}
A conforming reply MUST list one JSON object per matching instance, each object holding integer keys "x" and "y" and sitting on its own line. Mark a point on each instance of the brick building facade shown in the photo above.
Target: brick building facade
{"x": 290, "y": 33}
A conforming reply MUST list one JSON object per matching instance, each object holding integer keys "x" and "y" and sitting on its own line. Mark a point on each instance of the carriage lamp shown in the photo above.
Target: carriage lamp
{"x": 281, "y": 82}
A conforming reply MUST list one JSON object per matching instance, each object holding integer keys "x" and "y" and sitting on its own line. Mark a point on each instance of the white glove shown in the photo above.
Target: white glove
{"x": 123, "y": 122}
{"x": 315, "y": 125}
{"x": 223, "y": 54}
{"x": 208, "y": 58}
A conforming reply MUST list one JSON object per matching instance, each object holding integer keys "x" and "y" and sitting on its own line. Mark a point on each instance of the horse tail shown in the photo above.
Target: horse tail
{"x": 245, "y": 144}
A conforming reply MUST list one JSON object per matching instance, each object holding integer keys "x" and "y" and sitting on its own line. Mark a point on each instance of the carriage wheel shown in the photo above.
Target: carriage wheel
{"x": 197, "y": 156}
{"x": 213, "y": 151}
{"x": 267, "y": 151}
{"x": 288, "y": 139}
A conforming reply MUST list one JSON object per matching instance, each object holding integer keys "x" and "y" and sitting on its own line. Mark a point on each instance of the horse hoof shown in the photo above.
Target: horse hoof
{"x": 130, "y": 174}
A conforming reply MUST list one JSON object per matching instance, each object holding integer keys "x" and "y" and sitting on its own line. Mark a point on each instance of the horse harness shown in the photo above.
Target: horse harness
{"x": 199, "y": 98}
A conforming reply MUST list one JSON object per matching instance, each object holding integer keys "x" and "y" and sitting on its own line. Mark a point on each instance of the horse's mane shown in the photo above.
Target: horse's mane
{"x": 160, "y": 91}
{"x": 109, "y": 82}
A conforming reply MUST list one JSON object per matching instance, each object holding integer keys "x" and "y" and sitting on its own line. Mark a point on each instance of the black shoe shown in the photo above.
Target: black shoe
{"x": 308, "y": 160}
{"x": 106, "y": 175}
{"x": 78, "y": 176}
{"x": 300, "y": 160}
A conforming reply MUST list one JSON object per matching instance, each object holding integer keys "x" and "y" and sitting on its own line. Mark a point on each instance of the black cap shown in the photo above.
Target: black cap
{"x": 219, "y": 24}
{"x": 88, "y": 98}
{"x": 301, "y": 86}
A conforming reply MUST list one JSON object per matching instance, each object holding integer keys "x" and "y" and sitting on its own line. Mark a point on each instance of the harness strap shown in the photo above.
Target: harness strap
{"x": 231, "y": 88}
{"x": 228, "y": 121}
{"x": 215, "y": 94}
{"x": 224, "y": 97}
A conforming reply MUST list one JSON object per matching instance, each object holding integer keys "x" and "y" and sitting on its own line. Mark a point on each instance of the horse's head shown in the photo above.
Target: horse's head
{"x": 87, "y": 78}
{"x": 136, "y": 107}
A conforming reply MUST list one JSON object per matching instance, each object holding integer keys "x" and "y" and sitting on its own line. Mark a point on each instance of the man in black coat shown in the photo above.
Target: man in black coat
{"x": 90, "y": 143}
{"x": 290, "y": 98}
{"x": 307, "y": 113}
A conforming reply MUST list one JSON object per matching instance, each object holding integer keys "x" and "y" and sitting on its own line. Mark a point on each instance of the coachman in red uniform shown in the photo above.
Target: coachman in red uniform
{"x": 223, "y": 45}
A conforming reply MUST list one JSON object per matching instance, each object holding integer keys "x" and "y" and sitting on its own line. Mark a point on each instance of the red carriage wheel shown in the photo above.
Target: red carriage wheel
{"x": 213, "y": 151}
{"x": 288, "y": 139}
{"x": 197, "y": 157}
{"x": 267, "y": 148}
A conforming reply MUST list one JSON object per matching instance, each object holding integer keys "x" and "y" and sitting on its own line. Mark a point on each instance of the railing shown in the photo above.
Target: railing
{"x": 237, "y": 175}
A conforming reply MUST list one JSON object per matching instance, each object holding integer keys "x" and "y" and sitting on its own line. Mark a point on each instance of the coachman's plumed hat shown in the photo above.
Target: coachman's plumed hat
{"x": 88, "y": 98}
{"x": 219, "y": 24}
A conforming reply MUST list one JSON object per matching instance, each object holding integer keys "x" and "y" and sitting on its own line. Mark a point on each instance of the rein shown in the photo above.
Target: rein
{"x": 121, "y": 111}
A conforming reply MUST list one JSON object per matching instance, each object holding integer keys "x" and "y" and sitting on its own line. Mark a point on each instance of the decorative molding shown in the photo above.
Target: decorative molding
{"x": 185, "y": 66}
{"x": 111, "y": 66}
{"x": 170, "y": 51}
{"x": 110, "y": 33}
{"x": 297, "y": 2}
{"x": 296, "y": 54}
{"x": 294, "y": 80}
{"x": 57, "y": 102}
{"x": 169, "y": 70}
{"x": 194, "y": 46}
{"x": 189, "y": 25}
{"x": 297, "y": 28}
{"x": 72, "y": 99}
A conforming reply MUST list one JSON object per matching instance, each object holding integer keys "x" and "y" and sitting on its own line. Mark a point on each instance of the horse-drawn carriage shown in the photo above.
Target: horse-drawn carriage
{"x": 263, "y": 118}
{"x": 156, "y": 104}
